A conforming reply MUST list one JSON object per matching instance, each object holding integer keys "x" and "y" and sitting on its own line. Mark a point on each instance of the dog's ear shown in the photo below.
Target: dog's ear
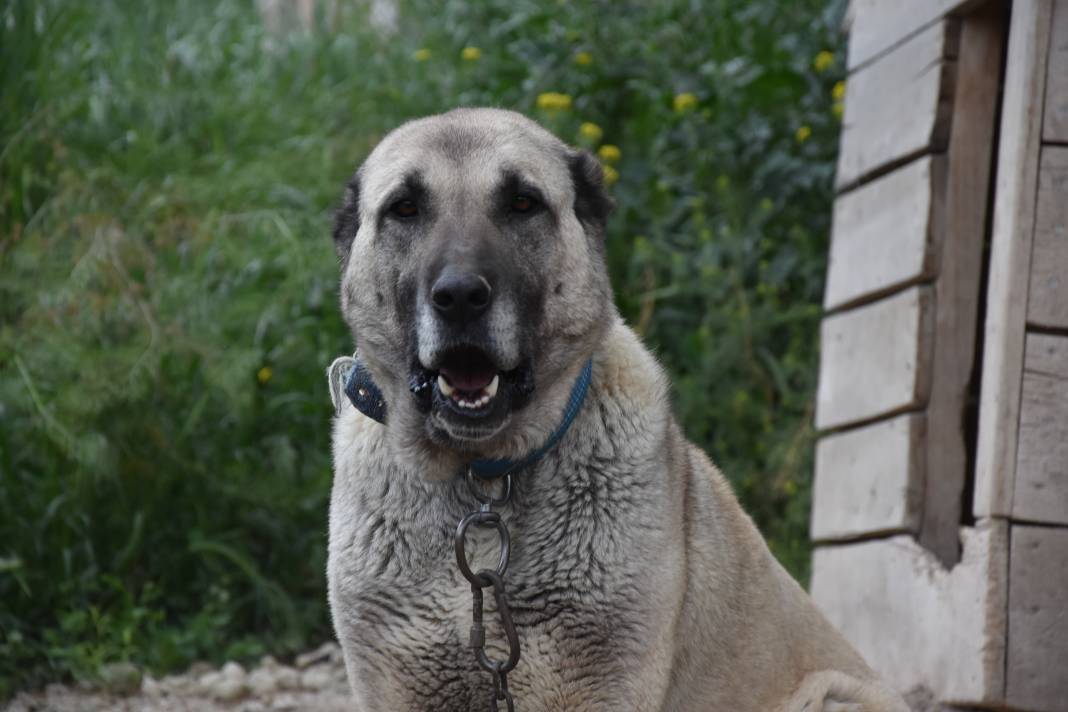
{"x": 347, "y": 219}
{"x": 592, "y": 204}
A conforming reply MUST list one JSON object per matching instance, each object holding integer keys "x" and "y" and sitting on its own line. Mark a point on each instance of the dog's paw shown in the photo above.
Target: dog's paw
{"x": 833, "y": 691}
{"x": 832, "y": 706}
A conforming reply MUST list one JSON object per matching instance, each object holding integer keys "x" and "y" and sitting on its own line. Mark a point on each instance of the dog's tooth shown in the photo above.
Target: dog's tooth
{"x": 445, "y": 387}
{"x": 491, "y": 389}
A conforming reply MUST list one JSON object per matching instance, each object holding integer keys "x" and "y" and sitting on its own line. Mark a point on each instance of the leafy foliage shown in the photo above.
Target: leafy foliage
{"x": 167, "y": 286}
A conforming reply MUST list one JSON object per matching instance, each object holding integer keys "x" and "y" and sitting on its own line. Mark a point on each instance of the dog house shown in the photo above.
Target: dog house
{"x": 940, "y": 504}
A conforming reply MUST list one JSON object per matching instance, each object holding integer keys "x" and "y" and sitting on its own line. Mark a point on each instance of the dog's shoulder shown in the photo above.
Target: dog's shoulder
{"x": 626, "y": 370}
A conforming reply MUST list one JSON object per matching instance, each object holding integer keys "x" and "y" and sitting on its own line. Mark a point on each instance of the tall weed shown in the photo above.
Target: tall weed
{"x": 167, "y": 285}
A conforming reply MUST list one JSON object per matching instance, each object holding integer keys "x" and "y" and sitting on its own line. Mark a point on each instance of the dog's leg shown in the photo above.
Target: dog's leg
{"x": 833, "y": 691}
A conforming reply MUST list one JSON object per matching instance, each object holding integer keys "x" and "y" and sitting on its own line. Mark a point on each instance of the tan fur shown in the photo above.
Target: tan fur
{"x": 771, "y": 648}
{"x": 660, "y": 594}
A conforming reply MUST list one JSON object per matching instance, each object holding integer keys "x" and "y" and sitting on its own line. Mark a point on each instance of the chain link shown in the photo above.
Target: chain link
{"x": 489, "y": 578}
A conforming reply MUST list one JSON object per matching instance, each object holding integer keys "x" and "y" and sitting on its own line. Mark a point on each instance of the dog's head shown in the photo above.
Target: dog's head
{"x": 473, "y": 277}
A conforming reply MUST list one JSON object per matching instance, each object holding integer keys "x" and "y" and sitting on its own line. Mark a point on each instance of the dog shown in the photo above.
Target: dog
{"x": 474, "y": 280}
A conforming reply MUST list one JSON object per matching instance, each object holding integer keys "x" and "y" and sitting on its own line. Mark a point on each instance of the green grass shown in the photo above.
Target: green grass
{"x": 167, "y": 283}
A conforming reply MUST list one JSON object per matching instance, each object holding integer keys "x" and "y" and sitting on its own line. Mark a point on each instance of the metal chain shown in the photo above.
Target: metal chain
{"x": 486, "y": 578}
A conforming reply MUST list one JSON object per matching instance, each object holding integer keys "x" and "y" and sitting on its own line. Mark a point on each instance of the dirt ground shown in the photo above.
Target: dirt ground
{"x": 314, "y": 682}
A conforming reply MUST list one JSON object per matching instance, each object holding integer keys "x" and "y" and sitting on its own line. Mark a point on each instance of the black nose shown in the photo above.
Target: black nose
{"x": 460, "y": 296}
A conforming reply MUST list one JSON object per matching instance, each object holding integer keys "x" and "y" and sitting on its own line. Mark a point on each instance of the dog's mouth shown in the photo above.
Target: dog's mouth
{"x": 466, "y": 385}
{"x": 469, "y": 380}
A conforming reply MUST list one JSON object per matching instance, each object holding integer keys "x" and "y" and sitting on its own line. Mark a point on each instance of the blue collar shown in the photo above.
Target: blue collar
{"x": 367, "y": 398}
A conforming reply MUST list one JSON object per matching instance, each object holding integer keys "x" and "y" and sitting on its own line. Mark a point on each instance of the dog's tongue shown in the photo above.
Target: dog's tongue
{"x": 472, "y": 379}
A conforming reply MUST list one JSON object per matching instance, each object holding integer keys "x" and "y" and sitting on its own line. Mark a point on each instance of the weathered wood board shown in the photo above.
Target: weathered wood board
{"x": 1047, "y": 354}
{"x": 1047, "y": 303}
{"x": 885, "y": 233}
{"x": 878, "y": 25}
{"x": 1010, "y": 256}
{"x": 916, "y": 622}
{"x": 1037, "y": 667}
{"x": 899, "y": 106}
{"x": 1055, "y": 123}
{"x": 1041, "y": 487}
{"x": 957, "y": 288}
{"x": 875, "y": 359}
{"x": 870, "y": 480}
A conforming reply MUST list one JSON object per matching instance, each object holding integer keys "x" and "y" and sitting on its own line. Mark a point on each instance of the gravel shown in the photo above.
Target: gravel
{"x": 315, "y": 682}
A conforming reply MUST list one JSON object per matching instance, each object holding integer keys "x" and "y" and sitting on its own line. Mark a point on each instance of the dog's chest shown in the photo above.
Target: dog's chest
{"x": 403, "y": 611}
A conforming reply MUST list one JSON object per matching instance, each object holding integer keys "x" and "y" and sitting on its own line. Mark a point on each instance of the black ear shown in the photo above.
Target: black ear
{"x": 347, "y": 219}
{"x": 592, "y": 204}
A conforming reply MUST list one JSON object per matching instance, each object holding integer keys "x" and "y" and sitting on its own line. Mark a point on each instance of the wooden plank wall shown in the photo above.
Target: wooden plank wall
{"x": 1023, "y": 472}
{"x": 871, "y": 480}
{"x": 1055, "y": 119}
{"x": 903, "y": 279}
{"x": 877, "y": 26}
{"x": 1036, "y": 676}
{"x": 876, "y": 131}
{"x": 920, "y": 625}
{"x": 908, "y": 204}
{"x": 958, "y": 285}
{"x": 1010, "y": 257}
{"x": 968, "y": 605}
{"x": 876, "y": 359}
{"x": 1047, "y": 303}
{"x": 898, "y": 347}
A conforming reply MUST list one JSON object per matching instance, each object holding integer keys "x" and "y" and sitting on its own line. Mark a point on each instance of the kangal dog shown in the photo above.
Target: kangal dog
{"x": 473, "y": 277}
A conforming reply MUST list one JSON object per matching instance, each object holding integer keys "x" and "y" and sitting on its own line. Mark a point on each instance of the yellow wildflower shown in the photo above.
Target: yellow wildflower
{"x": 421, "y": 55}
{"x": 823, "y": 61}
{"x": 684, "y": 102}
{"x": 838, "y": 91}
{"x": 554, "y": 101}
{"x": 584, "y": 59}
{"x": 611, "y": 175}
{"x": 838, "y": 108}
{"x": 471, "y": 54}
{"x": 264, "y": 374}
{"x": 591, "y": 131}
{"x": 802, "y": 133}
{"x": 609, "y": 153}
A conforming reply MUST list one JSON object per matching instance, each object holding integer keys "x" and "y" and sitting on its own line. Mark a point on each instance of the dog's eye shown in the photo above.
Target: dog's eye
{"x": 404, "y": 209}
{"x": 523, "y": 204}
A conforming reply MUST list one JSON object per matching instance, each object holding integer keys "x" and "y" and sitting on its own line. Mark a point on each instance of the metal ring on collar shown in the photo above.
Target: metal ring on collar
{"x": 478, "y": 489}
{"x": 483, "y": 519}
